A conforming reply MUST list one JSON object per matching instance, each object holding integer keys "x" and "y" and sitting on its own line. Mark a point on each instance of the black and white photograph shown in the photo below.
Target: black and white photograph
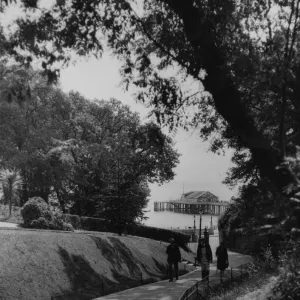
{"x": 149, "y": 149}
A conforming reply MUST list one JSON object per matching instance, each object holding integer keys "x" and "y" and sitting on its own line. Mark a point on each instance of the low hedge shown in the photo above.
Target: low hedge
{"x": 96, "y": 224}
{"x": 159, "y": 234}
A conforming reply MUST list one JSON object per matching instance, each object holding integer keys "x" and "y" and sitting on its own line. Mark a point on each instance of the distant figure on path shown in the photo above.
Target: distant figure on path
{"x": 174, "y": 256}
{"x": 204, "y": 256}
{"x": 222, "y": 258}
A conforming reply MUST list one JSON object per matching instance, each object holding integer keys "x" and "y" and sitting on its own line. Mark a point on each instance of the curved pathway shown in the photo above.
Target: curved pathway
{"x": 9, "y": 225}
{"x": 165, "y": 290}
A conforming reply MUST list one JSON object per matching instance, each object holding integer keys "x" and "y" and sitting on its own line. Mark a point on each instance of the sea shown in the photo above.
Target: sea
{"x": 173, "y": 220}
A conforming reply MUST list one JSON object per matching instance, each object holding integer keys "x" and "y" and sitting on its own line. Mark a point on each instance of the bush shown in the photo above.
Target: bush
{"x": 40, "y": 223}
{"x": 36, "y": 214}
{"x": 68, "y": 227}
{"x": 58, "y": 223}
{"x": 34, "y": 209}
{"x": 55, "y": 224}
{"x": 72, "y": 219}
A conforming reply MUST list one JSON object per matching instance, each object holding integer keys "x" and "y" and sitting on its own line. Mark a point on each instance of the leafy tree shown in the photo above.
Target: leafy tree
{"x": 67, "y": 148}
{"x": 245, "y": 55}
{"x": 246, "y": 64}
{"x": 11, "y": 183}
{"x": 112, "y": 157}
{"x": 135, "y": 158}
{"x": 254, "y": 207}
{"x": 28, "y": 127}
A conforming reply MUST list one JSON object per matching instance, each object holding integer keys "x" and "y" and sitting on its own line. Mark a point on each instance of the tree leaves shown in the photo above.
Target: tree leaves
{"x": 77, "y": 150}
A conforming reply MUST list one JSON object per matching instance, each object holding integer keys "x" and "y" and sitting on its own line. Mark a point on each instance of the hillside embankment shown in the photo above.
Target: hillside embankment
{"x": 40, "y": 264}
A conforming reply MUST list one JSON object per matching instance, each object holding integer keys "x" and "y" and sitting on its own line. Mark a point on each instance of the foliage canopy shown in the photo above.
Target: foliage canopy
{"x": 245, "y": 54}
{"x": 84, "y": 154}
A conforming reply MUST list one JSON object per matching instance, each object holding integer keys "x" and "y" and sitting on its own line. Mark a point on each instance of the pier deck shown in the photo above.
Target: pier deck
{"x": 209, "y": 208}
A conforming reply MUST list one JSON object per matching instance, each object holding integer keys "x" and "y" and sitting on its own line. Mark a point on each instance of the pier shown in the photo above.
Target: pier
{"x": 209, "y": 208}
{"x": 194, "y": 202}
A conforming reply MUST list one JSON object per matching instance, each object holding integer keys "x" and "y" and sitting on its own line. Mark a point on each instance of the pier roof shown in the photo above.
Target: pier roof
{"x": 199, "y": 195}
{"x": 194, "y": 194}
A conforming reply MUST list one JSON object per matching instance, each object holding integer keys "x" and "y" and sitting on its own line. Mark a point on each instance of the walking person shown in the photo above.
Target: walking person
{"x": 174, "y": 257}
{"x": 222, "y": 259}
{"x": 204, "y": 256}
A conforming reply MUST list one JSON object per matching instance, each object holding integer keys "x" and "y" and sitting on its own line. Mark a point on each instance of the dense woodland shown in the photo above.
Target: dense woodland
{"x": 245, "y": 55}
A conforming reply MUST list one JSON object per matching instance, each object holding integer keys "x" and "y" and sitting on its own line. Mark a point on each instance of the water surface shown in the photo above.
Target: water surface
{"x": 168, "y": 219}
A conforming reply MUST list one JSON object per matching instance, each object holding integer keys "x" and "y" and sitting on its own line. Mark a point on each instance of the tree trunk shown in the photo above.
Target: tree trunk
{"x": 24, "y": 197}
{"x": 227, "y": 99}
{"x": 60, "y": 200}
{"x": 10, "y": 205}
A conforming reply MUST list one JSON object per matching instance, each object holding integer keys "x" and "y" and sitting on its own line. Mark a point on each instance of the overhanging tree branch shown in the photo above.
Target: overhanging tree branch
{"x": 227, "y": 99}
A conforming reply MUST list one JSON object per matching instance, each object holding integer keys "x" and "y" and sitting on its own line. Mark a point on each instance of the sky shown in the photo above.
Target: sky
{"x": 198, "y": 169}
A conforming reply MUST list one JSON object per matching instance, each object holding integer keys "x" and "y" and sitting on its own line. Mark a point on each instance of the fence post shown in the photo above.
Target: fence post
{"x": 231, "y": 274}
{"x": 241, "y": 270}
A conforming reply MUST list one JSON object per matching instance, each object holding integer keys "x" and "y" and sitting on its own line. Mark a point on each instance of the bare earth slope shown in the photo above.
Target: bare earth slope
{"x": 41, "y": 264}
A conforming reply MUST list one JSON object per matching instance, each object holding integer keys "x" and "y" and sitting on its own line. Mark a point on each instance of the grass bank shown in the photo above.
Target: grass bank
{"x": 254, "y": 288}
{"x": 40, "y": 264}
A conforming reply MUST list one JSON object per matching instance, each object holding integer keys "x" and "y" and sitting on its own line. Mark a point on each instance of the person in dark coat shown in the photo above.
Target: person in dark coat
{"x": 204, "y": 256}
{"x": 174, "y": 256}
{"x": 222, "y": 258}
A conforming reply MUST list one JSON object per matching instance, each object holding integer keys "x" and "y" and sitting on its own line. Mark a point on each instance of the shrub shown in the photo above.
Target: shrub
{"x": 68, "y": 227}
{"x": 288, "y": 284}
{"x": 72, "y": 219}
{"x": 34, "y": 209}
{"x": 36, "y": 214}
{"x": 40, "y": 223}
{"x": 54, "y": 224}
{"x": 58, "y": 223}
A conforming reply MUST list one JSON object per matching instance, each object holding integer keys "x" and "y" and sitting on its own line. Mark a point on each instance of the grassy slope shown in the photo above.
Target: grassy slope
{"x": 40, "y": 264}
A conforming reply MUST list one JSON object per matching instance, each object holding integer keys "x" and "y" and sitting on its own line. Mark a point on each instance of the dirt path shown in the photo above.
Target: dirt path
{"x": 10, "y": 225}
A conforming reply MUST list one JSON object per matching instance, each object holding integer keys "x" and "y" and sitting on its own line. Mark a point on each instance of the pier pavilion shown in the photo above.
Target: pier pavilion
{"x": 193, "y": 202}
